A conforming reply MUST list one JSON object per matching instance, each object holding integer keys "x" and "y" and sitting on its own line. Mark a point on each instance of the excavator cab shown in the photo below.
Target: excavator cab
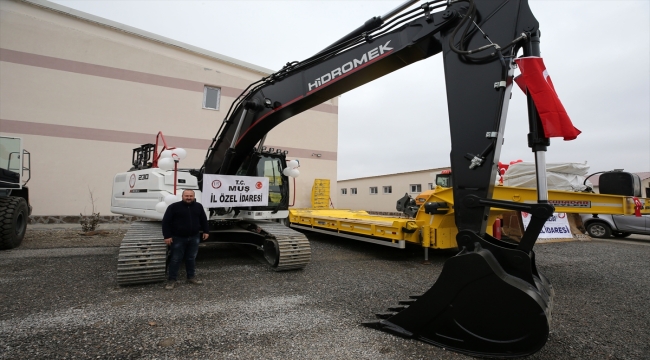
{"x": 270, "y": 165}
{"x": 444, "y": 179}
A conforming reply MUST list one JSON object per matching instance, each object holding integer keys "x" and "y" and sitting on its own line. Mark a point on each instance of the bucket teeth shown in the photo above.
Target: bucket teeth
{"x": 415, "y": 296}
{"x": 385, "y": 315}
{"x": 372, "y": 324}
{"x": 479, "y": 306}
{"x": 407, "y": 301}
{"x": 394, "y": 310}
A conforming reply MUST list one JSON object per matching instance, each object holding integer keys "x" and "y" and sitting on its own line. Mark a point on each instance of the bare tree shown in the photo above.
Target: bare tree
{"x": 89, "y": 223}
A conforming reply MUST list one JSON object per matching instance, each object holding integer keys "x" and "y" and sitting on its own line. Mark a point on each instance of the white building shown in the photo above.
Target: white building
{"x": 83, "y": 91}
{"x": 380, "y": 193}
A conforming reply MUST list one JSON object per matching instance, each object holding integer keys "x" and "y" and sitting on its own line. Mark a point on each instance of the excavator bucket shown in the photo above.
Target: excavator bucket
{"x": 488, "y": 301}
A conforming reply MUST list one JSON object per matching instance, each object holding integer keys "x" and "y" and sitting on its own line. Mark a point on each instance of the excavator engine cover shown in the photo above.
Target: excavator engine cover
{"x": 491, "y": 303}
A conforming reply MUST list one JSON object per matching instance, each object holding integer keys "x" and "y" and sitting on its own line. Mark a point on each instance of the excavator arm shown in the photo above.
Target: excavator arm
{"x": 489, "y": 300}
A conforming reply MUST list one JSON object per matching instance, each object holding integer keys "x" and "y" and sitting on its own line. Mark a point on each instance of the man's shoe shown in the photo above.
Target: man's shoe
{"x": 170, "y": 285}
{"x": 195, "y": 281}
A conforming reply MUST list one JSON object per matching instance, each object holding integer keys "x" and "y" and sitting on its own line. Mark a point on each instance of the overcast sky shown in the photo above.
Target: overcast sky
{"x": 596, "y": 52}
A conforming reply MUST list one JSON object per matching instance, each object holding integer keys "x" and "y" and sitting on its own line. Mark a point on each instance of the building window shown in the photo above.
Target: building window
{"x": 430, "y": 186}
{"x": 373, "y": 190}
{"x": 211, "y": 97}
{"x": 353, "y": 191}
{"x": 388, "y": 189}
{"x": 344, "y": 191}
{"x": 416, "y": 188}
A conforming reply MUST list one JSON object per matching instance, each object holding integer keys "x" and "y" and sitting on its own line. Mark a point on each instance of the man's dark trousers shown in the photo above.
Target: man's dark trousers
{"x": 183, "y": 222}
{"x": 183, "y": 248}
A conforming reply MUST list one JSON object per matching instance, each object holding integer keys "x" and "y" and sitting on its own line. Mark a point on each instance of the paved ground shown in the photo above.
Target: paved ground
{"x": 64, "y": 303}
{"x": 632, "y": 239}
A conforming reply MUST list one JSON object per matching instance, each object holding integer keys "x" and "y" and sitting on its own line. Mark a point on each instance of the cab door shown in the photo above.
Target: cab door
{"x": 269, "y": 166}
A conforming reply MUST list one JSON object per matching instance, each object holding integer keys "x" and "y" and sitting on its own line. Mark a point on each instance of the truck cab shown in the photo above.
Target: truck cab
{"x": 14, "y": 194}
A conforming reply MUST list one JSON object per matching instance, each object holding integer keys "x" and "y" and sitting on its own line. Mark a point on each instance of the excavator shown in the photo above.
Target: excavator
{"x": 490, "y": 299}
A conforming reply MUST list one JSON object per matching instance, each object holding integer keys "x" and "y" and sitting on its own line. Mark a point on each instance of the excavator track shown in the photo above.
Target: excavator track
{"x": 143, "y": 254}
{"x": 285, "y": 248}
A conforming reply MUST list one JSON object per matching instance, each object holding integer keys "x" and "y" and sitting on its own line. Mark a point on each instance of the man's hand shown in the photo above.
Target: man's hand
{"x": 168, "y": 241}
{"x": 206, "y": 236}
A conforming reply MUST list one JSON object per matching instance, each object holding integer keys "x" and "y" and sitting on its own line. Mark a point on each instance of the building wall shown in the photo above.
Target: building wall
{"x": 82, "y": 92}
{"x": 381, "y": 201}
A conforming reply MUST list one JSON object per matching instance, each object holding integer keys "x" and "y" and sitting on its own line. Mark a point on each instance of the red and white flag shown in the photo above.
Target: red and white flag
{"x": 534, "y": 78}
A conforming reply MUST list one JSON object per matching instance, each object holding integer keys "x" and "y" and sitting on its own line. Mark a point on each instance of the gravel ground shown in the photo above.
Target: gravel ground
{"x": 60, "y": 299}
{"x": 48, "y": 238}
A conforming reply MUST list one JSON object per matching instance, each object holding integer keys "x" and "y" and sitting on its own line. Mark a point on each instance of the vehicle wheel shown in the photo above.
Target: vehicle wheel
{"x": 599, "y": 230}
{"x": 620, "y": 234}
{"x": 14, "y": 215}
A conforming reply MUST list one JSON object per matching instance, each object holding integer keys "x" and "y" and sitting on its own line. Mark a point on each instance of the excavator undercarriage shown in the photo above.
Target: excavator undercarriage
{"x": 143, "y": 253}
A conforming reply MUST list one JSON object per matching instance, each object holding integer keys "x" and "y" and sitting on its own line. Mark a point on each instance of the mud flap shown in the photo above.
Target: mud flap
{"x": 478, "y": 307}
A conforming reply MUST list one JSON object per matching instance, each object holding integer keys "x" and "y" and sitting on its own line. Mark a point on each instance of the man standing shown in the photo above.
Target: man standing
{"x": 181, "y": 225}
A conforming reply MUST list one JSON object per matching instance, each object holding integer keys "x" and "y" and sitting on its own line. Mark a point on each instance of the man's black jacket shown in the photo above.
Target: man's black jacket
{"x": 184, "y": 220}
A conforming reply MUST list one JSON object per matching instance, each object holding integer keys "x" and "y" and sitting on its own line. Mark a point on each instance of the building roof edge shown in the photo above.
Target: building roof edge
{"x": 145, "y": 34}
{"x": 400, "y": 173}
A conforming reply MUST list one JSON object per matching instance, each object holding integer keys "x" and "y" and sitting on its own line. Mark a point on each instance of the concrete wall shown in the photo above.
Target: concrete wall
{"x": 383, "y": 202}
{"x": 82, "y": 92}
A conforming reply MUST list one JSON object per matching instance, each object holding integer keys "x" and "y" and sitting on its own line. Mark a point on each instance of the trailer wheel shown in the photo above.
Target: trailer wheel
{"x": 599, "y": 230}
{"x": 14, "y": 214}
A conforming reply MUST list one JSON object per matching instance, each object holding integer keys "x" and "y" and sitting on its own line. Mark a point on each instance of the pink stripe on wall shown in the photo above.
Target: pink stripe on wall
{"x": 49, "y": 62}
{"x": 83, "y": 133}
{"x": 78, "y": 67}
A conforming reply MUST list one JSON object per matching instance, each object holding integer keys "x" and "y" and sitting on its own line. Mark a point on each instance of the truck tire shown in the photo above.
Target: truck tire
{"x": 14, "y": 215}
{"x": 620, "y": 234}
{"x": 599, "y": 230}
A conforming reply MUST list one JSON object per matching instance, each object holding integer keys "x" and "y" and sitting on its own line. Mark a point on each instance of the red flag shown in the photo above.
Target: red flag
{"x": 637, "y": 206}
{"x": 534, "y": 77}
